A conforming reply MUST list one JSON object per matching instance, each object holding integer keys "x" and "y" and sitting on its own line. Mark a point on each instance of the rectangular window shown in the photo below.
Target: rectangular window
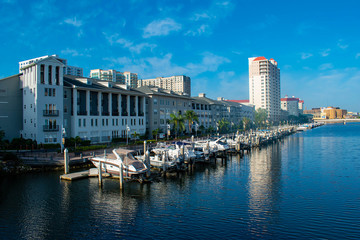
{"x": 57, "y": 75}
{"x": 107, "y": 122}
{"x": 96, "y": 122}
{"x": 84, "y": 122}
{"x": 92, "y": 122}
{"x": 53, "y": 92}
{"x": 46, "y": 92}
{"x": 79, "y": 122}
{"x": 103, "y": 122}
{"x": 50, "y": 75}
{"x": 65, "y": 94}
{"x": 42, "y": 73}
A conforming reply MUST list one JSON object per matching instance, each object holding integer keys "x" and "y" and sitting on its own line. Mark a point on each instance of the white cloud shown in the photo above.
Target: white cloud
{"x": 164, "y": 66}
{"x": 161, "y": 28}
{"x": 326, "y": 66}
{"x": 306, "y": 55}
{"x": 131, "y": 46}
{"x": 357, "y": 55}
{"x": 71, "y": 52}
{"x": 74, "y": 22}
{"x": 203, "y": 29}
{"x": 325, "y": 52}
{"x": 342, "y": 45}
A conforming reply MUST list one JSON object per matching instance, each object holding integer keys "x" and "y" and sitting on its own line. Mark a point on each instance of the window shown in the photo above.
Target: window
{"x": 53, "y": 92}
{"x": 92, "y": 122}
{"x": 96, "y": 122}
{"x": 84, "y": 122}
{"x": 79, "y": 122}
{"x": 24, "y": 106}
{"x": 107, "y": 122}
{"x": 42, "y": 73}
{"x": 50, "y": 75}
{"x": 57, "y": 75}
{"x": 103, "y": 122}
{"x": 46, "y": 92}
{"x": 65, "y": 94}
{"x": 155, "y": 101}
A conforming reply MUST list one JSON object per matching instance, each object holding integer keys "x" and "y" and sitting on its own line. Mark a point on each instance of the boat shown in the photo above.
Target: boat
{"x": 133, "y": 169}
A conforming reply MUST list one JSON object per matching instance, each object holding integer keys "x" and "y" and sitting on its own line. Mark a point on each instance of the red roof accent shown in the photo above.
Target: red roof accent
{"x": 289, "y": 99}
{"x": 301, "y": 101}
{"x": 272, "y": 59}
{"x": 238, "y": 101}
{"x": 259, "y": 58}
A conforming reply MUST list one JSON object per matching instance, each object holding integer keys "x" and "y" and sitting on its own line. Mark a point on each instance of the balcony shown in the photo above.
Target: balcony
{"x": 82, "y": 113}
{"x": 50, "y": 128}
{"x": 51, "y": 112}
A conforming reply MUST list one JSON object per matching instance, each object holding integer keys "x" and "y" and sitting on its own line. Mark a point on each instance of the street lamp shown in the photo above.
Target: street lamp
{"x": 127, "y": 134}
{"x": 168, "y": 131}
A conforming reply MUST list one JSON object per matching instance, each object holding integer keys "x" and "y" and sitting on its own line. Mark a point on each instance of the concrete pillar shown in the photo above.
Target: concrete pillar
{"x": 99, "y": 96}
{"x": 121, "y": 177}
{"x": 75, "y": 105}
{"x": 66, "y": 161}
{"x": 128, "y": 104}
{"x": 136, "y": 106}
{"x": 147, "y": 161}
{"x": 88, "y": 103}
{"x": 110, "y": 104}
{"x": 100, "y": 173}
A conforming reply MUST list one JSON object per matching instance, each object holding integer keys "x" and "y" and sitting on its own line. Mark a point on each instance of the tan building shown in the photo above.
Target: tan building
{"x": 334, "y": 113}
{"x": 180, "y": 84}
{"x": 264, "y": 86}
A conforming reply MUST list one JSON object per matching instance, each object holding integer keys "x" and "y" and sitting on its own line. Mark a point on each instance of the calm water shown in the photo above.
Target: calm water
{"x": 307, "y": 186}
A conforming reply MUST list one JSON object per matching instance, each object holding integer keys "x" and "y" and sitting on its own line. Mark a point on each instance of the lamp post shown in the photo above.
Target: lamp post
{"x": 168, "y": 131}
{"x": 127, "y": 134}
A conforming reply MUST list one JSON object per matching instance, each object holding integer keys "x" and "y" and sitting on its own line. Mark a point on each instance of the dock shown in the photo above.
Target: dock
{"x": 92, "y": 172}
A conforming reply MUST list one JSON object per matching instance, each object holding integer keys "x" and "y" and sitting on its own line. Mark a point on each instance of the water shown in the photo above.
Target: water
{"x": 305, "y": 187}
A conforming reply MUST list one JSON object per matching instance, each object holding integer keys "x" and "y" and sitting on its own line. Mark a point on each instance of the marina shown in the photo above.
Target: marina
{"x": 302, "y": 187}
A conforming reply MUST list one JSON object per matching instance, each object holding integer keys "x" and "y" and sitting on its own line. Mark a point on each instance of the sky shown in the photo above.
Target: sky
{"x": 316, "y": 43}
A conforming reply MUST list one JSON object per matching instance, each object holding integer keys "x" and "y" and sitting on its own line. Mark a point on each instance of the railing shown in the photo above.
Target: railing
{"x": 51, "y": 112}
{"x": 50, "y": 128}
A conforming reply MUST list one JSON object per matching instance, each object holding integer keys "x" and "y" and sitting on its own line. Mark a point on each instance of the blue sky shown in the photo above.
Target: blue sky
{"x": 316, "y": 43}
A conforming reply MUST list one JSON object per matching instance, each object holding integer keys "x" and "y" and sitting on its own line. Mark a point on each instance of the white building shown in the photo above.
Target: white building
{"x": 180, "y": 84}
{"x": 290, "y": 105}
{"x": 42, "y": 90}
{"x": 67, "y": 70}
{"x": 264, "y": 86}
{"x": 128, "y": 78}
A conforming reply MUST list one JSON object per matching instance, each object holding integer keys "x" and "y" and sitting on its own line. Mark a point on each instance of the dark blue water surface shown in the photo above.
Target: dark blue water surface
{"x": 305, "y": 187}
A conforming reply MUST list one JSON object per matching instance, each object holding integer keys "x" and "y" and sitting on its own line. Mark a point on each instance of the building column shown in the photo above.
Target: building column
{"x": 88, "y": 103}
{"x": 119, "y": 103}
{"x": 75, "y": 105}
{"x": 99, "y": 103}
{"x": 144, "y": 107}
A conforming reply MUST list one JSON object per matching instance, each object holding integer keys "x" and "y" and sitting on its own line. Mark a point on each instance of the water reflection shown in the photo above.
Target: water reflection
{"x": 264, "y": 188}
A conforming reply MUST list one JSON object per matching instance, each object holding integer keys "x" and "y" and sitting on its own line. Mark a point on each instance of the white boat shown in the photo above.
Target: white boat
{"x": 132, "y": 168}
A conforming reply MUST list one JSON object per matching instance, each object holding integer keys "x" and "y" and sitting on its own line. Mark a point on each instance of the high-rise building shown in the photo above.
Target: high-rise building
{"x": 290, "y": 105}
{"x": 128, "y": 78}
{"x": 264, "y": 86}
{"x": 179, "y": 84}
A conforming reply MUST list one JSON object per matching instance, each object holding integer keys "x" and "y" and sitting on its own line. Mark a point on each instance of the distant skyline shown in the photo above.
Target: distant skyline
{"x": 316, "y": 43}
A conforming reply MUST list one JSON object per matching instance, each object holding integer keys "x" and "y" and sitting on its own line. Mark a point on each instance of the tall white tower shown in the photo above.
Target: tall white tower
{"x": 264, "y": 86}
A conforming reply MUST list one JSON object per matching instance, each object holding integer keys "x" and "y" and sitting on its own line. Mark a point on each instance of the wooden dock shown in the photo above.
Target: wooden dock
{"x": 93, "y": 172}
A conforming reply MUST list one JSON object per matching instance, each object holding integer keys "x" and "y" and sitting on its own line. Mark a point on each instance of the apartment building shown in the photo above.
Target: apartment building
{"x": 99, "y": 110}
{"x": 290, "y": 105}
{"x": 67, "y": 70}
{"x": 11, "y": 113}
{"x": 127, "y": 78}
{"x": 264, "y": 86}
{"x": 160, "y": 104}
{"x": 180, "y": 84}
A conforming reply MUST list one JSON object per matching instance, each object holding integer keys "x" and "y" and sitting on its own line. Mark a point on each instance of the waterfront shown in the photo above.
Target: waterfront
{"x": 303, "y": 187}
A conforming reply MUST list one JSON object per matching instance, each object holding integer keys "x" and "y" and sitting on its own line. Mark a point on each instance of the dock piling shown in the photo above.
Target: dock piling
{"x": 121, "y": 177}
{"x": 66, "y": 161}
{"x": 100, "y": 174}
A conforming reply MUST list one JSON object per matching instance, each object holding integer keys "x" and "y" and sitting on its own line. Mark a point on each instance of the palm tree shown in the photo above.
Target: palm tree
{"x": 246, "y": 123}
{"x": 155, "y": 133}
{"x": 135, "y": 135}
{"x": 178, "y": 121}
{"x": 223, "y": 125}
{"x": 191, "y": 117}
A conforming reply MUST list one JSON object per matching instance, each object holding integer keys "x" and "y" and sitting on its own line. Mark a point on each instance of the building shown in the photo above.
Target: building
{"x": 42, "y": 93}
{"x": 128, "y": 78}
{"x": 333, "y": 113}
{"x": 11, "y": 113}
{"x": 99, "y": 110}
{"x": 290, "y": 105}
{"x": 315, "y": 112}
{"x": 67, "y": 70}
{"x": 160, "y": 104}
{"x": 180, "y": 84}
{"x": 264, "y": 86}
{"x": 301, "y": 106}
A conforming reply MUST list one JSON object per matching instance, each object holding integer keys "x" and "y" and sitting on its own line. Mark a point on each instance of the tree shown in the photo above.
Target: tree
{"x": 135, "y": 135}
{"x": 210, "y": 129}
{"x": 223, "y": 125}
{"x": 191, "y": 117}
{"x": 77, "y": 141}
{"x": 246, "y": 123}
{"x": 178, "y": 121}
{"x": 202, "y": 129}
{"x": 260, "y": 117}
{"x": 155, "y": 133}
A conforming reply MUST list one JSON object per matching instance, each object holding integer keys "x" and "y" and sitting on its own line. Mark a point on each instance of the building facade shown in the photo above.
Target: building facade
{"x": 160, "y": 104}
{"x": 11, "y": 113}
{"x": 180, "y": 84}
{"x": 290, "y": 105}
{"x": 264, "y": 86}
{"x": 127, "y": 78}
